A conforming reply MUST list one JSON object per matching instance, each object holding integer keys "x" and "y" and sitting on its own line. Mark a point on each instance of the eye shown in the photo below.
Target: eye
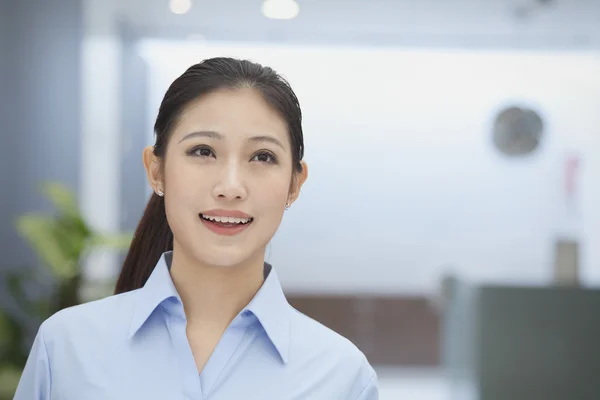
{"x": 201, "y": 151}
{"x": 265, "y": 157}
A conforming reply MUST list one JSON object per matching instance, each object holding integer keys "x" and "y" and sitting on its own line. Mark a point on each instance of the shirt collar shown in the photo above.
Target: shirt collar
{"x": 158, "y": 289}
{"x": 269, "y": 305}
{"x": 272, "y": 310}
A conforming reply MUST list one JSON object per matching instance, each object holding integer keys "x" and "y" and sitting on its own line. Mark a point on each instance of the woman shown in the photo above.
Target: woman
{"x": 197, "y": 313}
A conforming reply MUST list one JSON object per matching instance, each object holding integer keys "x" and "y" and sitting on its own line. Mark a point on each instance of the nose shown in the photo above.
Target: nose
{"x": 231, "y": 183}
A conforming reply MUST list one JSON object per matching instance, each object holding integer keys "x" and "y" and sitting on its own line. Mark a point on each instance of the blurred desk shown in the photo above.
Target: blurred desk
{"x": 390, "y": 330}
{"x": 522, "y": 343}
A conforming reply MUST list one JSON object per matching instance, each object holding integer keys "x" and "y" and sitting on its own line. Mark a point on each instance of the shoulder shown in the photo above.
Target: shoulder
{"x": 320, "y": 347}
{"x": 89, "y": 321}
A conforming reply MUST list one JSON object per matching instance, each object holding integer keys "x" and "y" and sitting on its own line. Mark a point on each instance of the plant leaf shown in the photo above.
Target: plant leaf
{"x": 12, "y": 350}
{"x": 9, "y": 380}
{"x": 5, "y": 331}
{"x": 14, "y": 286}
{"x": 71, "y": 236}
{"x": 116, "y": 241}
{"x": 62, "y": 198}
{"x": 41, "y": 233}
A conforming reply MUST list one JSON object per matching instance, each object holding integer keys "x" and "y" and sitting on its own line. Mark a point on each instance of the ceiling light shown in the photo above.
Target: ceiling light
{"x": 180, "y": 6}
{"x": 280, "y": 9}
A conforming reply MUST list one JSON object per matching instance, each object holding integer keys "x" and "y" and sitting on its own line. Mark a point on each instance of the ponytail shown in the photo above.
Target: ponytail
{"x": 151, "y": 239}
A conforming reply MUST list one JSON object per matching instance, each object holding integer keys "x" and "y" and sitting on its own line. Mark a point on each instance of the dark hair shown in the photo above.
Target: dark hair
{"x": 153, "y": 235}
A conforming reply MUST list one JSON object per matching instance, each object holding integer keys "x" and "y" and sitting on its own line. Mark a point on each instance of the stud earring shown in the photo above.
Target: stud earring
{"x": 287, "y": 206}
{"x": 160, "y": 193}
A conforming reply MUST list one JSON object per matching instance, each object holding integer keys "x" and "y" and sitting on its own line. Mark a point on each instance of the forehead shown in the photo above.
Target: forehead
{"x": 234, "y": 113}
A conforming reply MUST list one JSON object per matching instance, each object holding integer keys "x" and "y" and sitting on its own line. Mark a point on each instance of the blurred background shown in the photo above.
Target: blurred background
{"x": 451, "y": 222}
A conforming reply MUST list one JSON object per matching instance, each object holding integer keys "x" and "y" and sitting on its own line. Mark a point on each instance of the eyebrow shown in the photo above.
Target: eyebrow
{"x": 208, "y": 134}
{"x": 268, "y": 139}
{"x": 218, "y": 136}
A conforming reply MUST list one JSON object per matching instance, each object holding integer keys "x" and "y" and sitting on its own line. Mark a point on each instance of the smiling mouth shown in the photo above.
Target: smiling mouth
{"x": 226, "y": 221}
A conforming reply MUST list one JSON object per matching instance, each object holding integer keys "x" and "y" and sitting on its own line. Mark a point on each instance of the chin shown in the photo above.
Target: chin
{"x": 224, "y": 252}
{"x": 222, "y": 257}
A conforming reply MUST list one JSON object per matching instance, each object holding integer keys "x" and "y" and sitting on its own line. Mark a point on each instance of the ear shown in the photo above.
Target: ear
{"x": 297, "y": 182}
{"x": 153, "y": 169}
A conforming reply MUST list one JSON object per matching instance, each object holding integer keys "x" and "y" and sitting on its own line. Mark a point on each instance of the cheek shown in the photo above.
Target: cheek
{"x": 181, "y": 198}
{"x": 276, "y": 189}
{"x": 183, "y": 182}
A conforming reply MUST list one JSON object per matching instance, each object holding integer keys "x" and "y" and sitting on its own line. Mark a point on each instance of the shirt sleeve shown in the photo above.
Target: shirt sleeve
{"x": 371, "y": 391}
{"x": 35, "y": 382}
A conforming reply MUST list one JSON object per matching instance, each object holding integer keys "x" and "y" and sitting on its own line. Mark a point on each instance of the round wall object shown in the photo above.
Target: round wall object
{"x": 517, "y": 131}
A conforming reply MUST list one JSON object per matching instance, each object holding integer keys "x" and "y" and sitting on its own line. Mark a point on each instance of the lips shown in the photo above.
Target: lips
{"x": 226, "y": 222}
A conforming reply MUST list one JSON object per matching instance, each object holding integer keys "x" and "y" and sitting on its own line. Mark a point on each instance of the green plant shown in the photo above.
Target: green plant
{"x": 61, "y": 242}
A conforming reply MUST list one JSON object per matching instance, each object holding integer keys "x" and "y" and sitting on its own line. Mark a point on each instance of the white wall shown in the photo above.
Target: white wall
{"x": 403, "y": 179}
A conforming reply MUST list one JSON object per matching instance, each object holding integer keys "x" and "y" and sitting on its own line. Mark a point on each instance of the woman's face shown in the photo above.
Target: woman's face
{"x": 226, "y": 178}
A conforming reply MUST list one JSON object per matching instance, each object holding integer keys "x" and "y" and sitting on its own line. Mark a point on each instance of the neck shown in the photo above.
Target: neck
{"x": 215, "y": 294}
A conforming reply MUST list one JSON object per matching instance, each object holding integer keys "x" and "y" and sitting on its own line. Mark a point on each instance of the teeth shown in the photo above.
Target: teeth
{"x": 230, "y": 220}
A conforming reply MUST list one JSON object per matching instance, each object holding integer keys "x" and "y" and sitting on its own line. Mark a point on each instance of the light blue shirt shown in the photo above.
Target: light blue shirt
{"x": 134, "y": 346}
